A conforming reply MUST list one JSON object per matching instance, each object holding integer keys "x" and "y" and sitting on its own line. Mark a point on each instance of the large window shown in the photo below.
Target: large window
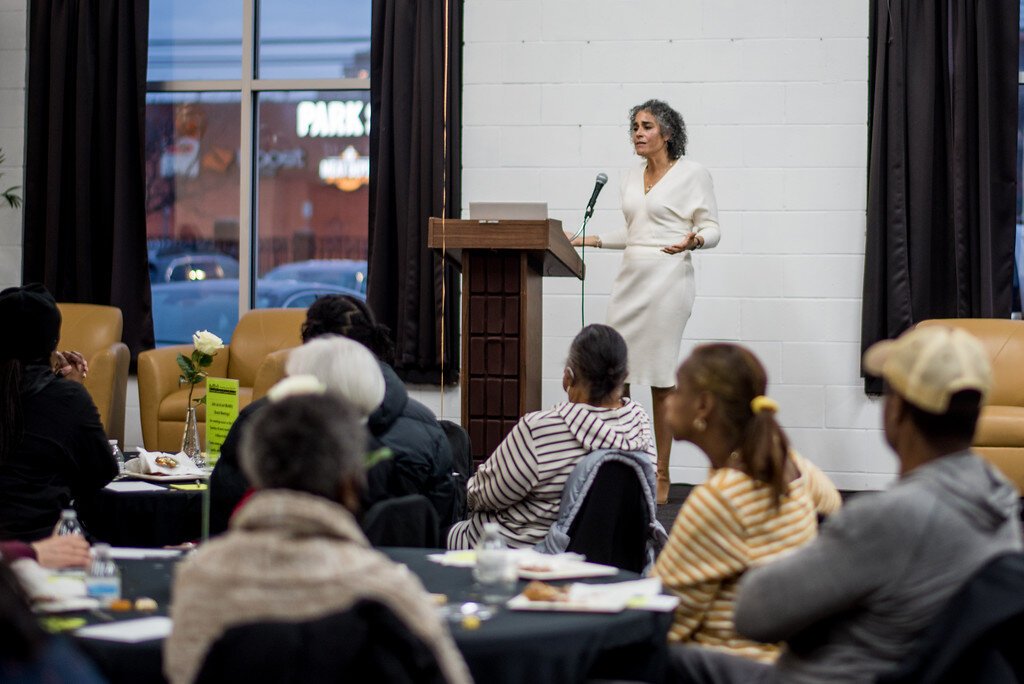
{"x": 1018, "y": 255}
{"x": 257, "y": 167}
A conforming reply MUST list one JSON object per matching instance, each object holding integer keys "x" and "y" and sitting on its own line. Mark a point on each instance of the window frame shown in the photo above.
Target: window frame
{"x": 249, "y": 88}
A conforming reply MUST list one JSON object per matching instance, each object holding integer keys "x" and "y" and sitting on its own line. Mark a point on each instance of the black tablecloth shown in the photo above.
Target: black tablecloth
{"x": 147, "y": 519}
{"x": 519, "y": 647}
{"x": 548, "y": 647}
{"x": 141, "y": 662}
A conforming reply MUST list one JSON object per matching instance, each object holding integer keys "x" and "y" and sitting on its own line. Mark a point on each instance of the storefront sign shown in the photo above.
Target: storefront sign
{"x": 349, "y": 171}
{"x": 334, "y": 119}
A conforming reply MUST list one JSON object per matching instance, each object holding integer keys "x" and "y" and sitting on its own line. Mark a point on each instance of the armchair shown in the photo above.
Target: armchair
{"x": 95, "y": 332}
{"x": 162, "y": 401}
{"x": 1000, "y": 434}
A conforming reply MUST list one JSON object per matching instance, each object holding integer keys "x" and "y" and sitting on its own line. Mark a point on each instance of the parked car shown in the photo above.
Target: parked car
{"x": 182, "y": 307}
{"x": 347, "y": 273}
{"x": 191, "y": 266}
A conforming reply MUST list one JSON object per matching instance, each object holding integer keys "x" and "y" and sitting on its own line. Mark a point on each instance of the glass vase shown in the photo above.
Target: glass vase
{"x": 190, "y": 439}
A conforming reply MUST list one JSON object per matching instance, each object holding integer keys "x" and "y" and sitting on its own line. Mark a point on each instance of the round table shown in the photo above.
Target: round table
{"x": 510, "y": 647}
{"x": 142, "y": 519}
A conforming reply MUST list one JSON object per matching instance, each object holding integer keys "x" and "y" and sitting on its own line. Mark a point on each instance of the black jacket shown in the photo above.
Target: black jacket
{"x": 422, "y": 456}
{"x": 63, "y": 454}
{"x": 421, "y": 461}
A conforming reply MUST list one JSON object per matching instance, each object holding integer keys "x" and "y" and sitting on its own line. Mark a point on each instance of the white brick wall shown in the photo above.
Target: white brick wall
{"x": 13, "y": 26}
{"x": 775, "y": 98}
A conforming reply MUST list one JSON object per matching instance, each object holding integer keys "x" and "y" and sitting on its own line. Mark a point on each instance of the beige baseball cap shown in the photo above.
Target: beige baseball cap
{"x": 928, "y": 365}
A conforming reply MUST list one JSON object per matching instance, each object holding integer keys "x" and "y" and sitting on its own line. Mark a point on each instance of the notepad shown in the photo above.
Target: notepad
{"x": 134, "y": 486}
{"x": 129, "y": 631}
{"x": 130, "y": 553}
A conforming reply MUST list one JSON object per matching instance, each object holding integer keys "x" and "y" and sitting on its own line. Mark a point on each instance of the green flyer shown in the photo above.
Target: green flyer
{"x": 221, "y": 412}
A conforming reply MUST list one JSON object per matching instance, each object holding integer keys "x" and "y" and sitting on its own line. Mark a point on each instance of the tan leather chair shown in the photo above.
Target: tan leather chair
{"x": 95, "y": 332}
{"x": 162, "y": 401}
{"x": 1000, "y": 435}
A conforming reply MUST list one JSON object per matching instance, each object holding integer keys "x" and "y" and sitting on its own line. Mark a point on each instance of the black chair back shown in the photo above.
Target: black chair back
{"x": 977, "y": 636}
{"x": 403, "y": 521}
{"x": 611, "y": 525}
{"x": 366, "y": 643}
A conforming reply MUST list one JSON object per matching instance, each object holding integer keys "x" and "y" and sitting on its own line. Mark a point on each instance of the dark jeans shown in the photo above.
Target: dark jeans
{"x": 695, "y": 665}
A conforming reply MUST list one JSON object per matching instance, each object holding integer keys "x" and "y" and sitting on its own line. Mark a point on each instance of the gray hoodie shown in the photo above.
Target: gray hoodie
{"x": 851, "y": 604}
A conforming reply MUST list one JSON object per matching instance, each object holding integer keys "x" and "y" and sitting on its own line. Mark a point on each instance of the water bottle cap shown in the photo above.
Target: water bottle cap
{"x": 490, "y": 527}
{"x": 69, "y": 513}
{"x": 101, "y": 548}
{"x": 112, "y": 442}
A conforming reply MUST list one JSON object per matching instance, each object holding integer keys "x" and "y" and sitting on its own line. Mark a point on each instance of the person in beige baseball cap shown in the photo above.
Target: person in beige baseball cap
{"x": 936, "y": 379}
{"x": 853, "y": 603}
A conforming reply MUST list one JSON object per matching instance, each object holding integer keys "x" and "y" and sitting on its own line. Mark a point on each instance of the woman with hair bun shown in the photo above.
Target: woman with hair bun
{"x": 669, "y": 205}
{"x": 520, "y": 485}
{"x": 761, "y": 499}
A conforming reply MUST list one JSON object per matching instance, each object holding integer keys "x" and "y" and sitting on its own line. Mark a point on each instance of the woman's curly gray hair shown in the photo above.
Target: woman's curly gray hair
{"x": 673, "y": 128}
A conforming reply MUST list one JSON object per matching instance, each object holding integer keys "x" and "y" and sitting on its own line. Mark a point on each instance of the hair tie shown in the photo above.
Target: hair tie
{"x": 762, "y": 403}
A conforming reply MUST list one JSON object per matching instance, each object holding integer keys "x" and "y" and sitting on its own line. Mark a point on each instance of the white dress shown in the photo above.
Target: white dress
{"x": 653, "y": 293}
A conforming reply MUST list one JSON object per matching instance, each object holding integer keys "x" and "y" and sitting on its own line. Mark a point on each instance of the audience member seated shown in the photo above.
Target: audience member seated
{"x": 853, "y": 603}
{"x": 52, "y": 445}
{"x": 68, "y": 551}
{"x": 294, "y": 550}
{"x": 27, "y": 653}
{"x": 421, "y": 460}
{"x": 760, "y": 501}
{"x": 520, "y": 485}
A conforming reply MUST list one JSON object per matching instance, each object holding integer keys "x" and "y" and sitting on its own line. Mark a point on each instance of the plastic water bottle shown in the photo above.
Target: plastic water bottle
{"x": 495, "y": 571}
{"x": 118, "y": 456}
{"x": 104, "y": 579}
{"x": 68, "y": 523}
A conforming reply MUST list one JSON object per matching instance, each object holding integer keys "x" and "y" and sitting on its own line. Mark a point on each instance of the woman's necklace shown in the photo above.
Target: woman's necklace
{"x": 654, "y": 181}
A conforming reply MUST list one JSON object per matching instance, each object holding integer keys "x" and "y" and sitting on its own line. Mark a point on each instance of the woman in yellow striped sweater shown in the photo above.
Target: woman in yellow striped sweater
{"x": 761, "y": 499}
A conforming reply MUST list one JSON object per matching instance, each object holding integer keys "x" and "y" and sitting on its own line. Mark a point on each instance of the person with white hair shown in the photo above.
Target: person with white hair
{"x": 343, "y": 366}
{"x": 296, "y": 548}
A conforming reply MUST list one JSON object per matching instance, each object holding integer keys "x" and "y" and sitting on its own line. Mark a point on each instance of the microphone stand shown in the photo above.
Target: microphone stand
{"x": 583, "y": 257}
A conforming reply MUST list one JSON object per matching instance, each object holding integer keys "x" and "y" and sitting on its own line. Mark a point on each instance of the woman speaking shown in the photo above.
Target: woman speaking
{"x": 668, "y": 202}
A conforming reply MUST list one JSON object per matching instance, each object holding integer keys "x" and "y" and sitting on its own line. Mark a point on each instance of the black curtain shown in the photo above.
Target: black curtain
{"x": 941, "y": 170}
{"x": 85, "y": 218}
{"x": 410, "y": 169}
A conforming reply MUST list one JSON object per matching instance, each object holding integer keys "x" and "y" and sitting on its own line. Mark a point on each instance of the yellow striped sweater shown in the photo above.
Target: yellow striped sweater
{"x": 725, "y": 526}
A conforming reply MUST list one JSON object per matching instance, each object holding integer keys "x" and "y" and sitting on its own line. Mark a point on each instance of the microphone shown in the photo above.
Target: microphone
{"x": 599, "y": 182}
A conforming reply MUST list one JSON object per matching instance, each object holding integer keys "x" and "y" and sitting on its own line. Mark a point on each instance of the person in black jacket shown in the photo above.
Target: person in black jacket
{"x": 52, "y": 445}
{"x": 422, "y": 459}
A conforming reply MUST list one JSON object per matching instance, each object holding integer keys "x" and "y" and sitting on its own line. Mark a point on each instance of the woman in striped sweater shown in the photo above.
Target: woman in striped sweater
{"x": 520, "y": 485}
{"x": 761, "y": 499}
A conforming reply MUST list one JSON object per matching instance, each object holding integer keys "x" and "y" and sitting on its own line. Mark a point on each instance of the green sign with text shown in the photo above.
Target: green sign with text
{"x": 221, "y": 412}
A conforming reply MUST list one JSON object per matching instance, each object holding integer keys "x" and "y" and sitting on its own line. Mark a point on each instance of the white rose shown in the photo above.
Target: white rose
{"x": 207, "y": 343}
{"x": 295, "y": 385}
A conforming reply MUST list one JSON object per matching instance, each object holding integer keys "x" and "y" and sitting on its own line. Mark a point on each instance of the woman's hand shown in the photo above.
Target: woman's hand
{"x": 690, "y": 242}
{"x": 70, "y": 365}
{"x": 68, "y": 551}
{"x": 588, "y": 241}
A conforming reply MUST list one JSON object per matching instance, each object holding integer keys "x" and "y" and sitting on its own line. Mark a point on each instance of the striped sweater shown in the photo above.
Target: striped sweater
{"x": 520, "y": 485}
{"x": 725, "y": 526}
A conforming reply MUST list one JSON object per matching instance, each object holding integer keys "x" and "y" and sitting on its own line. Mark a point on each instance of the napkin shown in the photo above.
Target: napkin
{"x": 146, "y": 464}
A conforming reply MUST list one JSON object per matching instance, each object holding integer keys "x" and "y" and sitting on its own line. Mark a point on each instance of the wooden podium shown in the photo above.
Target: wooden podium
{"x": 502, "y": 265}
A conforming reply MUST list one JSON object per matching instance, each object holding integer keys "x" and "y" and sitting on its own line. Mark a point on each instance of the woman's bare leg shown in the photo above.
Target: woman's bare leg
{"x": 662, "y": 439}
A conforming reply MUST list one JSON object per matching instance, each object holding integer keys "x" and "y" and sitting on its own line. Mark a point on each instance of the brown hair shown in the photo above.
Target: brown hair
{"x": 735, "y": 377}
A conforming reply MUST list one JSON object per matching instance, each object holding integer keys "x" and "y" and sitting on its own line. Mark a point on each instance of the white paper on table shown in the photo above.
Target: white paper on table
{"x": 129, "y": 631}
{"x": 130, "y": 553}
{"x": 130, "y": 486}
{"x": 644, "y": 594}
